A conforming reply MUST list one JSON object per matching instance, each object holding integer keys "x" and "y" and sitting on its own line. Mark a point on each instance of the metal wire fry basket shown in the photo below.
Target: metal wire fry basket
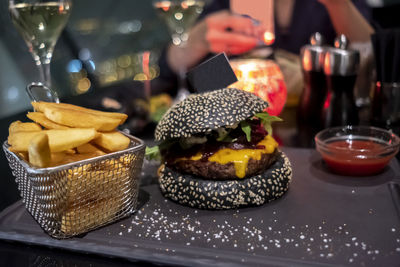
{"x": 75, "y": 198}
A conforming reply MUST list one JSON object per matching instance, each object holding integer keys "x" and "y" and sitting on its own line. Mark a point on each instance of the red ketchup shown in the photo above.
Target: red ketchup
{"x": 353, "y": 162}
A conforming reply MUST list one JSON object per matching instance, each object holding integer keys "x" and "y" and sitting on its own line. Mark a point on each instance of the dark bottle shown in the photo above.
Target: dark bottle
{"x": 312, "y": 98}
{"x": 386, "y": 106}
{"x": 309, "y": 112}
{"x": 314, "y": 91}
{"x": 341, "y": 109}
{"x": 340, "y": 68}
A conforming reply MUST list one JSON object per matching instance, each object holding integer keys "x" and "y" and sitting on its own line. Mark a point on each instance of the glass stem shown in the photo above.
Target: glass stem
{"x": 45, "y": 77}
{"x": 43, "y": 59}
{"x": 182, "y": 78}
{"x": 39, "y": 93}
{"x": 183, "y": 91}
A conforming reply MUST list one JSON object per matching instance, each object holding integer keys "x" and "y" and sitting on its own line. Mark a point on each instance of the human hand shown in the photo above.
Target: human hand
{"x": 230, "y": 33}
{"x": 218, "y": 32}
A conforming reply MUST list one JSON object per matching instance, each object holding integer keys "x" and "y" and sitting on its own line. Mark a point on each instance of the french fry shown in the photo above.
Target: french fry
{"x": 111, "y": 165}
{"x": 39, "y": 151}
{"x": 19, "y": 141}
{"x": 112, "y": 141}
{"x": 56, "y": 158}
{"x": 70, "y": 151}
{"x": 40, "y": 106}
{"x": 23, "y": 155}
{"x": 69, "y": 158}
{"x": 41, "y": 119}
{"x": 89, "y": 148}
{"x": 61, "y": 158}
{"x": 59, "y": 140}
{"x": 126, "y": 159}
{"x": 96, "y": 212}
{"x": 101, "y": 185}
{"x": 18, "y": 126}
{"x": 78, "y": 119}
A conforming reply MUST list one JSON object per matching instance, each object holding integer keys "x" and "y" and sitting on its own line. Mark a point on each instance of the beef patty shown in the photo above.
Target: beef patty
{"x": 215, "y": 171}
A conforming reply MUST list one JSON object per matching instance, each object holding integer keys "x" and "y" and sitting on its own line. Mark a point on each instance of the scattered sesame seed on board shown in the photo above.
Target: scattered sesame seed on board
{"x": 244, "y": 231}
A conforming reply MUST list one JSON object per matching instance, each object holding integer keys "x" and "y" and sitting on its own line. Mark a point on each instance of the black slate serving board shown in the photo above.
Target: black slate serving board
{"x": 323, "y": 220}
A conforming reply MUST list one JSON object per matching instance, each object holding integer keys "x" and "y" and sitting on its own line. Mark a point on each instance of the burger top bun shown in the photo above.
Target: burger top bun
{"x": 202, "y": 113}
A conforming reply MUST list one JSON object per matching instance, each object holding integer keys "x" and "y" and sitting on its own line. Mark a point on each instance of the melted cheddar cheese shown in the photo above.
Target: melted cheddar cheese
{"x": 240, "y": 158}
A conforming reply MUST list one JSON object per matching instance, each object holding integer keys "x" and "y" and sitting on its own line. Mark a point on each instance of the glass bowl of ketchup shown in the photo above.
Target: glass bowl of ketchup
{"x": 357, "y": 150}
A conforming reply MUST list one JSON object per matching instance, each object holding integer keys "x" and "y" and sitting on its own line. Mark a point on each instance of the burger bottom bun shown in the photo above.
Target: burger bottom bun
{"x": 256, "y": 190}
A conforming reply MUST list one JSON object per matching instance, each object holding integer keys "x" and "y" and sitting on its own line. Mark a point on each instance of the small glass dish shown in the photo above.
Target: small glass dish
{"x": 357, "y": 150}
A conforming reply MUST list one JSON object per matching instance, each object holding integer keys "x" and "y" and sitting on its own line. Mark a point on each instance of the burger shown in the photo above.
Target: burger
{"x": 217, "y": 152}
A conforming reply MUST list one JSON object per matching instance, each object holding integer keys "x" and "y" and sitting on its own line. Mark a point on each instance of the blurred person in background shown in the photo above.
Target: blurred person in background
{"x": 219, "y": 30}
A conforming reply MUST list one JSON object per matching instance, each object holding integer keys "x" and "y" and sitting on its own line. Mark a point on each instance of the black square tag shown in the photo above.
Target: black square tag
{"x": 214, "y": 73}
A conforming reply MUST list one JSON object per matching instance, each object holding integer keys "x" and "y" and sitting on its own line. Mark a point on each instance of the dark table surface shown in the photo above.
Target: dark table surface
{"x": 17, "y": 253}
{"x": 317, "y": 223}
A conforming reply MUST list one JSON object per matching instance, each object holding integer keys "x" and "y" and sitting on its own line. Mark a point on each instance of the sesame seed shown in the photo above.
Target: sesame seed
{"x": 206, "y": 110}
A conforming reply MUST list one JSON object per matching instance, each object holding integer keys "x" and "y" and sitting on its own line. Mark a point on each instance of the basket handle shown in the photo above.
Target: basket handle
{"x": 40, "y": 92}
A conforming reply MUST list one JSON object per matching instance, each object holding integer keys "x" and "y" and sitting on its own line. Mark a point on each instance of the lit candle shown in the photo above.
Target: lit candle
{"x": 263, "y": 78}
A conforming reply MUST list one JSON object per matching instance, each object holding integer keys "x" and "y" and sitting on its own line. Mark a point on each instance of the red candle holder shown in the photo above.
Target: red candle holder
{"x": 263, "y": 78}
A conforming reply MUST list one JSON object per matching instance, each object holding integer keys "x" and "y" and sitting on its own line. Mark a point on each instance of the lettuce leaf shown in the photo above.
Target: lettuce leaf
{"x": 153, "y": 153}
{"x": 246, "y": 128}
{"x": 267, "y": 120}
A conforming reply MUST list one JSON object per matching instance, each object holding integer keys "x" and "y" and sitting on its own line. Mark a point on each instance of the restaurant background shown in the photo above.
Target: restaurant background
{"x": 103, "y": 47}
{"x": 101, "y": 44}
{"x": 101, "y": 50}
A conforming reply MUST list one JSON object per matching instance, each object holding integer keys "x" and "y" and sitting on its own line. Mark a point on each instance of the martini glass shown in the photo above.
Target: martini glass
{"x": 40, "y": 23}
{"x": 179, "y": 16}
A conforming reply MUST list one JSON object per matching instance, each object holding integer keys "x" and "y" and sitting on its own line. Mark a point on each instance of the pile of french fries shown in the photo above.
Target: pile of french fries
{"x": 63, "y": 133}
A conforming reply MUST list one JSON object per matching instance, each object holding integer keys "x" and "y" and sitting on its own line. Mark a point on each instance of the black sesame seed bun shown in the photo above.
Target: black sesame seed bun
{"x": 196, "y": 192}
{"x": 202, "y": 113}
